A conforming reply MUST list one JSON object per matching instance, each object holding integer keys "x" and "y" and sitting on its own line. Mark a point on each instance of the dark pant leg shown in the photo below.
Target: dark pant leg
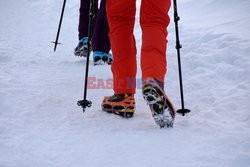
{"x": 84, "y": 17}
{"x": 100, "y": 37}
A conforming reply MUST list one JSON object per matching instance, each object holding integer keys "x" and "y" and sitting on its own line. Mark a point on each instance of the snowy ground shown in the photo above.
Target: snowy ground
{"x": 40, "y": 124}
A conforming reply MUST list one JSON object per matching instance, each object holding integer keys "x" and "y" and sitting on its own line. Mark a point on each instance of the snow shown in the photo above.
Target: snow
{"x": 41, "y": 125}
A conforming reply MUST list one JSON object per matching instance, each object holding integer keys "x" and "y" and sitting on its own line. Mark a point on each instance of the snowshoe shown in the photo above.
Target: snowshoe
{"x": 82, "y": 48}
{"x": 101, "y": 58}
{"x": 162, "y": 109}
{"x": 119, "y": 104}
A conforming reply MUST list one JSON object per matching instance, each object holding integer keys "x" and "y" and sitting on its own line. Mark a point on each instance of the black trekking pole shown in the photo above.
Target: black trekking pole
{"x": 178, "y": 46}
{"x": 59, "y": 27}
{"x": 86, "y": 103}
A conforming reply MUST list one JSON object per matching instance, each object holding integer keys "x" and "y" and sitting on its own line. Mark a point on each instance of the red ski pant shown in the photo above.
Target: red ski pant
{"x": 154, "y": 20}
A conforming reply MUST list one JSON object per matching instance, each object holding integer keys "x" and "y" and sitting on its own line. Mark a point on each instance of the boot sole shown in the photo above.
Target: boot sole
{"x": 124, "y": 114}
{"x": 154, "y": 97}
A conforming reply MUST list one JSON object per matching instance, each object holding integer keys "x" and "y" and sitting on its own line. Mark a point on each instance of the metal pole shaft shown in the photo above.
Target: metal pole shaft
{"x": 85, "y": 102}
{"x": 59, "y": 27}
{"x": 178, "y": 47}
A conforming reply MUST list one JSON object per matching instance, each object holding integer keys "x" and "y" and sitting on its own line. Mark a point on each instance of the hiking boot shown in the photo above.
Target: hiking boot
{"x": 82, "y": 48}
{"x": 120, "y": 104}
{"x": 101, "y": 58}
{"x": 161, "y": 107}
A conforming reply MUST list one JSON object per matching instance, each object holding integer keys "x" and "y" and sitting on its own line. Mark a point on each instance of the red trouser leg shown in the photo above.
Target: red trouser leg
{"x": 154, "y": 20}
{"x": 121, "y": 18}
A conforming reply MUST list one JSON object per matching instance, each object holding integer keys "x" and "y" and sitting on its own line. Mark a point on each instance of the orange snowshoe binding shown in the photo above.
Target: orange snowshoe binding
{"x": 119, "y": 104}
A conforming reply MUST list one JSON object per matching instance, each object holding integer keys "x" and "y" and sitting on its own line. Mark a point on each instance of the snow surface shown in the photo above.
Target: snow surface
{"x": 41, "y": 125}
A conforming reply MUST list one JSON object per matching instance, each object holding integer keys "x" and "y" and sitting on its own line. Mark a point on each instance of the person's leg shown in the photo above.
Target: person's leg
{"x": 84, "y": 17}
{"x": 154, "y": 20}
{"x": 100, "y": 40}
{"x": 121, "y": 19}
{"x": 82, "y": 48}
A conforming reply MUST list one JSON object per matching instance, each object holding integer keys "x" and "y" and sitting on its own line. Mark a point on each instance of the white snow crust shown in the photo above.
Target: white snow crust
{"x": 41, "y": 125}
